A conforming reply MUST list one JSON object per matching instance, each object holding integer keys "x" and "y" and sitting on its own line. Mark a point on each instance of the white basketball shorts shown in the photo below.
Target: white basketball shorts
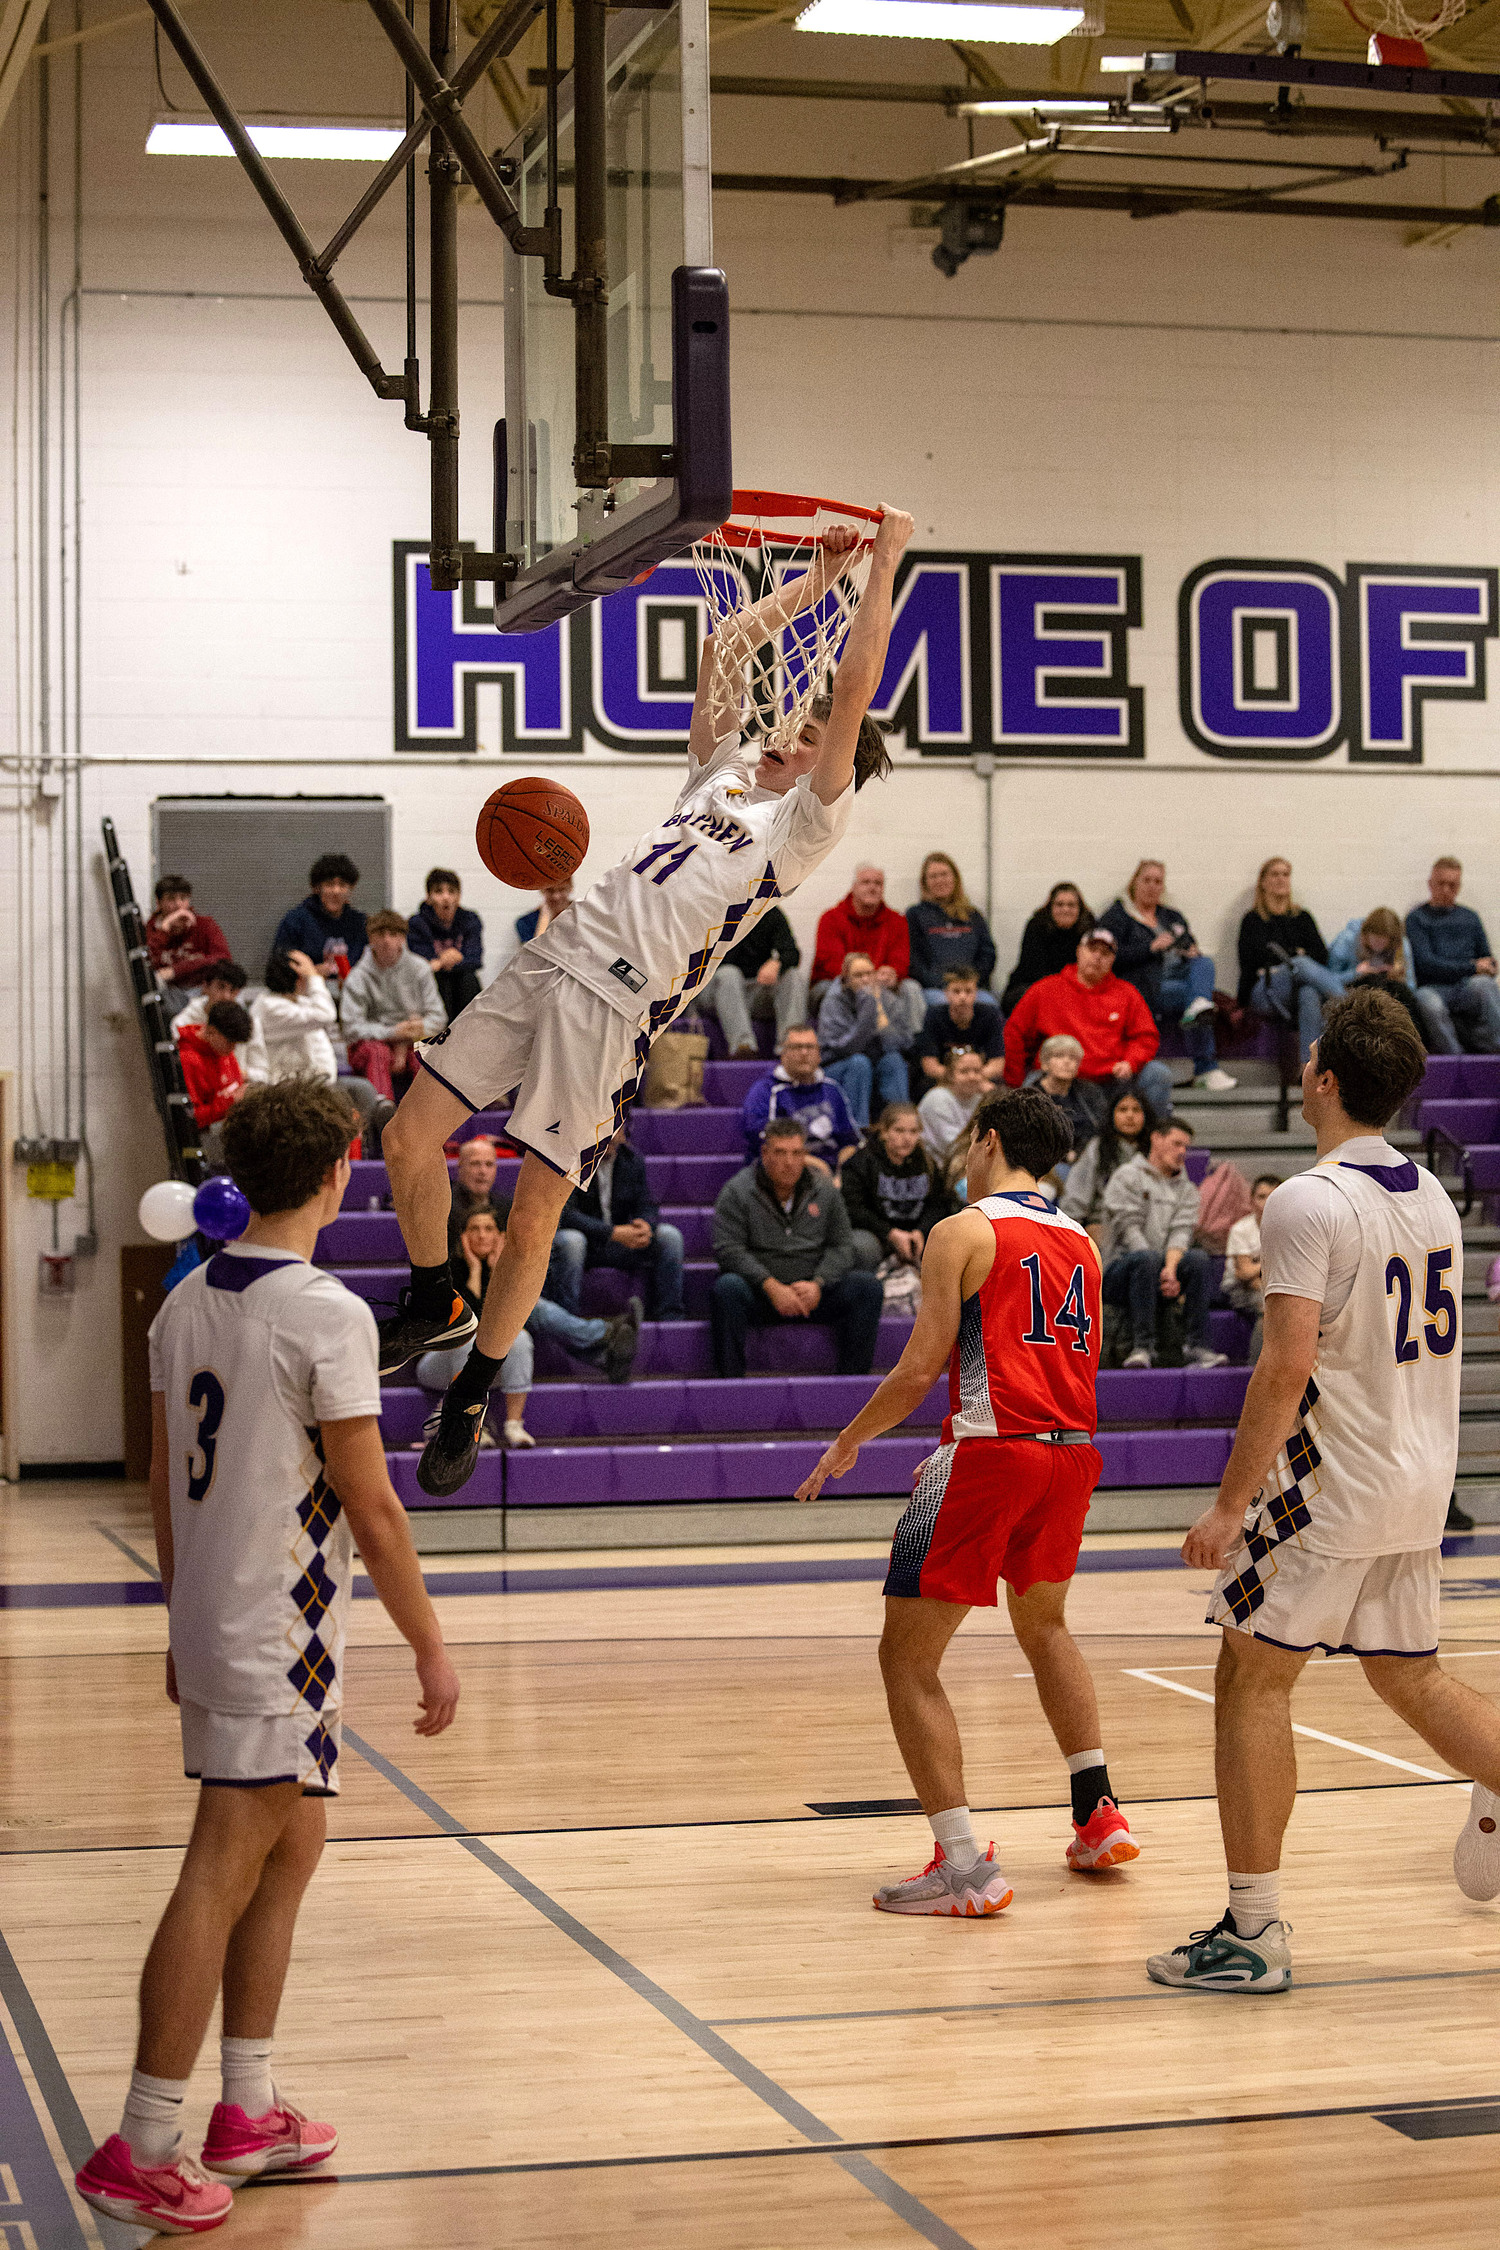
{"x": 1350, "y": 1605}
{"x": 572, "y": 1062}
{"x": 236, "y": 1750}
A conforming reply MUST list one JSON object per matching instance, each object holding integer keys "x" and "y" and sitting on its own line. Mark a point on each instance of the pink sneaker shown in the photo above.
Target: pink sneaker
{"x": 175, "y": 2198}
{"x": 281, "y": 2141}
{"x": 1105, "y": 1840}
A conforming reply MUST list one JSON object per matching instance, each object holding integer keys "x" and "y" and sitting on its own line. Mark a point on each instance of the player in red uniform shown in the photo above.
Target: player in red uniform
{"x": 1010, "y": 1303}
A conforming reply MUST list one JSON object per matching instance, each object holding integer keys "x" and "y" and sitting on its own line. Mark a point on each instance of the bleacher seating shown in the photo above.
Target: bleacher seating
{"x": 1458, "y": 1116}
{"x": 678, "y": 1434}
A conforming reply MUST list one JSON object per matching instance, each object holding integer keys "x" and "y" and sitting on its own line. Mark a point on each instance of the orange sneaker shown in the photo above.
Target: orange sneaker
{"x": 942, "y": 1889}
{"x": 1104, "y": 1841}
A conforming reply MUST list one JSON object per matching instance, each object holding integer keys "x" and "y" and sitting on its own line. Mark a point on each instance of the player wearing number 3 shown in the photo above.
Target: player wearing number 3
{"x": 1332, "y": 1537}
{"x": 567, "y": 1025}
{"x": 1010, "y": 1305}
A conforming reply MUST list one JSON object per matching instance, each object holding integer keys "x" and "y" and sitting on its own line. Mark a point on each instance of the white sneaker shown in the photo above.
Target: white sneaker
{"x": 974, "y": 1893}
{"x": 1219, "y": 1960}
{"x": 1199, "y": 1355}
{"x": 1140, "y": 1357}
{"x": 1214, "y": 1082}
{"x": 1476, "y": 1855}
{"x": 517, "y": 1434}
{"x": 1202, "y": 1006}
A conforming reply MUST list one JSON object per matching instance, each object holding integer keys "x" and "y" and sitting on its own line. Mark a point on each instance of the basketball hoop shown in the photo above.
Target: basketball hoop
{"x": 766, "y": 540}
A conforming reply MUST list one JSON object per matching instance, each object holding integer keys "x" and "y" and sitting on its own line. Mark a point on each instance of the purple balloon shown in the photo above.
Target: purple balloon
{"x": 220, "y": 1211}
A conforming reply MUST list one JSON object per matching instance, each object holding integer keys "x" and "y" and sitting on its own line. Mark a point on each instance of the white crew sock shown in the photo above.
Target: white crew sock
{"x": 1081, "y": 1760}
{"x": 955, "y": 1832}
{"x": 246, "y": 2064}
{"x": 1254, "y": 1900}
{"x": 152, "y": 2122}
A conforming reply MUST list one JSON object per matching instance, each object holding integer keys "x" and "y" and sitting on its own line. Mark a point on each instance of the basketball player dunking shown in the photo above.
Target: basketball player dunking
{"x": 1331, "y": 1537}
{"x": 566, "y": 1027}
{"x": 1010, "y": 1305}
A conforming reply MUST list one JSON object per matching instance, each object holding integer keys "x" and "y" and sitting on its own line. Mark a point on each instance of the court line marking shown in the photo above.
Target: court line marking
{"x": 127, "y": 1550}
{"x": 52, "y": 2084}
{"x": 852, "y": 2160}
{"x": 1088, "y": 2000}
{"x": 1314, "y": 1734}
{"x": 1377, "y": 2111}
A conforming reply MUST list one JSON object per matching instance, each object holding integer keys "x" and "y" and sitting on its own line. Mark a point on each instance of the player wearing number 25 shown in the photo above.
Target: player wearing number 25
{"x": 1332, "y": 1537}
{"x": 1010, "y": 1303}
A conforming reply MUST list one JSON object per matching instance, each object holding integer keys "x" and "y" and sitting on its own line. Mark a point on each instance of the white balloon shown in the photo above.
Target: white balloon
{"x": 166, "y": 1210}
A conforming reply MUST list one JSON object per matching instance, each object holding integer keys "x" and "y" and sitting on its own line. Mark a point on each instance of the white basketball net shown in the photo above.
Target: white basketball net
{"x": 1398, "y": 22}
{"x": 770, "y": 539}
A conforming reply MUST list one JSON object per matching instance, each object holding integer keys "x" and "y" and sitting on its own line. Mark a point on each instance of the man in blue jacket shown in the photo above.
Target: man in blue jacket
{"x": 1453, "y": 968}
{"x": 798, "y": 1088}
{"x": 325, "y": 926}
{"x": 615, "y": 1221}
{"x": 450, "y": 938}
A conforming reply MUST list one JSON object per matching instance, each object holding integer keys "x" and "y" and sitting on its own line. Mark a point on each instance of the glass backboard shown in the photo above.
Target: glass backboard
{"x": 575, "y": 542}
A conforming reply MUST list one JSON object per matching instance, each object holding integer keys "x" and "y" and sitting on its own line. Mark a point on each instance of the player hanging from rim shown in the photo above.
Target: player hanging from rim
{"x": 568, "y": 1023}
{"x": 1010, "y": 1305}
{"x": 1332, "y": 1538}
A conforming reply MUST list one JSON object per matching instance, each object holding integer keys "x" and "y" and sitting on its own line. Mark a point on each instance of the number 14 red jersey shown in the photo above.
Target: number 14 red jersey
{"x": 1028, "y": 1339}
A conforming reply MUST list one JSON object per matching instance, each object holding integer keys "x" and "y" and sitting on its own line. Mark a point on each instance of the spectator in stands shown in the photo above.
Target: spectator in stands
{"x": 1157, "y": 953}
{"x": 616, "y": 1221}
{"x": 293, "y": 1019}
{"x": 948, "y": 932}
{"x": 1244, "y": 1284}
{"x": 893, "y": 1190}
{"x": 226, "y": 980}
{"x": 862, "y": 1038}
{"x": 1454, "y": 968}
{"x": 782, "y": 1239}
{"x": 945, "y": 1110}
{"x": 1107, "y": 1016}
{"x": 863, "y": 923}
{"x": 449, "y": 938}
{"x": 1125, "y": 1133}
{"x": 325, "y": 926}
{"x": 1151, "y": 1207}
{"x": 1372, "y": 952}
{"x": 799, "y": 1087}
{"x": 473, "y": 1184}
{"x": 556, "y": 899}
{"x": 183, "y": 945}
{"x": 210, "y": 1072}
{"x": 759, "y": 977}
{"x": 609, "y": 1345}
{"x": 390, "y": 1000}
{"x": 1284, "y": 970}
{"x": 1049, "y": 942}
{"x": 1059, "y": 1060}
{"x": 961, "y": 1022}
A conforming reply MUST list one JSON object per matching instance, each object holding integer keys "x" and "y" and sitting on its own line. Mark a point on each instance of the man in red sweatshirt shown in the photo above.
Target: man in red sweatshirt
{"x": 182, "y": 945}
{"x": 210, "y": 1069}
{"x": 863, "y": 923}
{"x": 1107, "y": 1015}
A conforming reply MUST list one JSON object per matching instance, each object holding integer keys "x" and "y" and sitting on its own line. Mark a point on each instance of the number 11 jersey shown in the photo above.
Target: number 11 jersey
{"x": 1027, "y": 1353}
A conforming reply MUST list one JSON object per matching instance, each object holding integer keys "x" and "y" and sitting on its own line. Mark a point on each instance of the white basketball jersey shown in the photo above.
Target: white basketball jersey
{"x": 653, "y": 930}
{"x": 1369, "y": 1467}
{"x": 252, "y": 1352}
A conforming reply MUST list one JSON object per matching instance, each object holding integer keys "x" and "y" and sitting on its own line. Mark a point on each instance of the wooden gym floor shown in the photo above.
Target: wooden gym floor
{"x": 600, "y": 1965}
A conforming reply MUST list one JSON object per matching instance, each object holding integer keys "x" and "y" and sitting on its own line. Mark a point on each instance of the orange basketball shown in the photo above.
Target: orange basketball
{"x": 532, "y": 833}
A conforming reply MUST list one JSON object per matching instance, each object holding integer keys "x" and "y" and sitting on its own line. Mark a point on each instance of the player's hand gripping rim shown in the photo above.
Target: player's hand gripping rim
{"x": 439, "y": 1697}
{"x": 836, "y": 1462}
{"x": 1216, "y": 1534}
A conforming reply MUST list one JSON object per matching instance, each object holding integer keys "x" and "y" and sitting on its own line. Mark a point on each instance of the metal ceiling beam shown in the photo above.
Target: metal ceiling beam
{"x": 1308, "y": 70}
{"x": 1134, "y": 202}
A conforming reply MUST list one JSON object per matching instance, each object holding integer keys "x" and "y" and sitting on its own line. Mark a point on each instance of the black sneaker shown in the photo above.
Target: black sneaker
{"x": 622, "y": 1340}
{"x": 449, "y": 1455}
{"x": 408, "y": 1332}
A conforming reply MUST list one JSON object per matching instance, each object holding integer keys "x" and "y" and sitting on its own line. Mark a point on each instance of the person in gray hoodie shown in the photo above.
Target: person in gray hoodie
{"x": 1151, "y": 1208}
{"x": 390, "y": 999}
{"x": 863, "y": 1041}
{"x": 785, "y": 1250}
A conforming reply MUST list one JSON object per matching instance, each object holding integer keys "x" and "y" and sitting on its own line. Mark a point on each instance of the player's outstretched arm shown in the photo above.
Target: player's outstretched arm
{"x": 950, "y": 1247}
{"x": 862, "y": 663}
{"x": 1289, "y": 1349}
{"x": 354, "y": 1457}
{"x": 716, "y": 705}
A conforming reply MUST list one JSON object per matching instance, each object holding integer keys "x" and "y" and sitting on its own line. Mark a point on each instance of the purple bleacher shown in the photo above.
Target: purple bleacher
{"x": 1196, "y": 1165}
{"x": 1468, "y": 1121}
{"x": 1171, "y": 1394}
{"x": 485, "y": 1488}
{"x": 727, "y": 1083}
{"x": 687, "y": 1132}
{"x": 773, "y": 1405}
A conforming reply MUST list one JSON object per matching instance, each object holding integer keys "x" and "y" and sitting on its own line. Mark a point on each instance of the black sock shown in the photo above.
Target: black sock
{"x": 431, "y": 1288}
{"x": 471, "y": 1385}
{"x": 1088, "y": 1788}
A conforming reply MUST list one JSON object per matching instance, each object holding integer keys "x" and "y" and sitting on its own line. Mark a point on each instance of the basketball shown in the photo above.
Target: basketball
{"x": 531, "y": 833}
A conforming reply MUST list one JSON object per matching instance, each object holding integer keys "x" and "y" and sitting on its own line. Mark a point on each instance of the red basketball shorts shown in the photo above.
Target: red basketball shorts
{"x": 992, "y": 1508}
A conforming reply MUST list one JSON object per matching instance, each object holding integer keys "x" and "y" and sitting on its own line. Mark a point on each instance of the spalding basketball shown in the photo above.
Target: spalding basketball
{"x": 532, "y": 833}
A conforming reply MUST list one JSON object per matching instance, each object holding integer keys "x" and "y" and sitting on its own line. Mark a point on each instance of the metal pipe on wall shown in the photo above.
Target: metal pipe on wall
{"x": 444, "y": 561}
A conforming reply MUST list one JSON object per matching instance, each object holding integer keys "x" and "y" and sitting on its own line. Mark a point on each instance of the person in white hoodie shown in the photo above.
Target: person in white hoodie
{"x": 225, "y": 980}
{"x": 390, "y": 1000}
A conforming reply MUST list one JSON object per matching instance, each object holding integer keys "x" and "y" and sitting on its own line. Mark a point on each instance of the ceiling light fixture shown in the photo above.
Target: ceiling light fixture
{"x": 349, "y": 144}
{"x": 982, "y": 21}
{"x": 1077, "y": 114}
{"x": 1066, "y": 105}
{"x": 1122, "y": 62}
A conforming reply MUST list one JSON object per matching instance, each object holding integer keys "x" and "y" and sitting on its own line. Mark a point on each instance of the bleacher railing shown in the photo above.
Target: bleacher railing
{"x": 168, "y": 1087}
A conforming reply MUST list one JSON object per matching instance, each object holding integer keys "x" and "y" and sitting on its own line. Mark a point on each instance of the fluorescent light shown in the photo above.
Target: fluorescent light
{"x": 1038, "y": 106}
{"x": 350, "y": 144}
{"x": 1122, "y": 62}
{"x": 983, "y": 21}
